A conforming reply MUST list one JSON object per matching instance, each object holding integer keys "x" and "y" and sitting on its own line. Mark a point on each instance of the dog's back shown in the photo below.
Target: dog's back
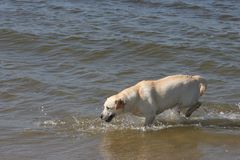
{"x": 182, "y": 90}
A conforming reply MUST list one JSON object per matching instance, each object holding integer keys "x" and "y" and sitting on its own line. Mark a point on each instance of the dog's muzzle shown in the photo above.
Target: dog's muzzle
{"x": 107, "y": 118}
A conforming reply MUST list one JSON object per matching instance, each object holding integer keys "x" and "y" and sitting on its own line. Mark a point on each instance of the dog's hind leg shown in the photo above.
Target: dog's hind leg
{"x": 177, "y": 109}
{"x": 149, "y": 120}
{"x": 192, "y": 109}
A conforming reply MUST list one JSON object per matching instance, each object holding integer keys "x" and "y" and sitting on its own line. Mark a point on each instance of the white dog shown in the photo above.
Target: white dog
{"x": 149, "y": 98}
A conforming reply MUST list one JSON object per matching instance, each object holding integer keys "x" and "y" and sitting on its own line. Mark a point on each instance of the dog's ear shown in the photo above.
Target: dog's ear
{"x": 119, "y": 104}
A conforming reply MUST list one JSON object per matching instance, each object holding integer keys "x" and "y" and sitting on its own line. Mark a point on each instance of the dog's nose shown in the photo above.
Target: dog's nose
{"x": 101, "y": 116}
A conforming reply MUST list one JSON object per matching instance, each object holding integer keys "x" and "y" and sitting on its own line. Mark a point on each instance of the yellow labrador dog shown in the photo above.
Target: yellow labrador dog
{"x": 152, "y": 97}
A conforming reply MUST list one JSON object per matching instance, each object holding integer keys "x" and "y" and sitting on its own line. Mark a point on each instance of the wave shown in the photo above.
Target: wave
{"x": 9, "y": 35}
{"x": 184, "y": 5}
{"x": 20, "y": 84}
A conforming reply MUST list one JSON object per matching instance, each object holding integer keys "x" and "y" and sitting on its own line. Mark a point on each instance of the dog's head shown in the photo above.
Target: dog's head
{"x": 112, "y": 107}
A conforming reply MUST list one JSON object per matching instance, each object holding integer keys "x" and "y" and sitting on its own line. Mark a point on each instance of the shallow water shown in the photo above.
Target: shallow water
{"x": 60, "y": 59}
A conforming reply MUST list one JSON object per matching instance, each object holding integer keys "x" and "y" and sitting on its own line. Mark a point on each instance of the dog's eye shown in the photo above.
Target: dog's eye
{"x": 107, "y": 108}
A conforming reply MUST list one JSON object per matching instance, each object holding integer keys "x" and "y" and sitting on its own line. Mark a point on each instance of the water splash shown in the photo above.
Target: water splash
{"x": 209, "y": 115}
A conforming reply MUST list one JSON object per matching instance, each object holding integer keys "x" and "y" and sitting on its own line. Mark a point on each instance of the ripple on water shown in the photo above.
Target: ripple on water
{"x": 12, "y": 38}
{"x": 7, "y": 96}
{"x": 24, "y": 83}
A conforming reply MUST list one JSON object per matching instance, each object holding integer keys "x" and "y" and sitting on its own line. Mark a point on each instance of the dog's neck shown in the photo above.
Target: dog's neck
{"x": 129, "y": 96}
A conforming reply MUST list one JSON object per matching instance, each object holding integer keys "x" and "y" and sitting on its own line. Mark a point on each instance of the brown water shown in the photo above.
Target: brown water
{"x": 60, "y": 59}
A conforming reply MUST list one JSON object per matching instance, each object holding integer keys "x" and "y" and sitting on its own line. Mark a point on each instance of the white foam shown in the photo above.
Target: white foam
{"x": 168, "y": 119}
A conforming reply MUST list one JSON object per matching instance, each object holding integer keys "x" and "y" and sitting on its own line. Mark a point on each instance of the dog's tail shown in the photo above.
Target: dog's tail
{"x": 203, "y": 84}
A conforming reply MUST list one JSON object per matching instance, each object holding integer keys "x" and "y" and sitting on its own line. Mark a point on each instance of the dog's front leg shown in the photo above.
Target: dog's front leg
{"x": 148, "y": 109}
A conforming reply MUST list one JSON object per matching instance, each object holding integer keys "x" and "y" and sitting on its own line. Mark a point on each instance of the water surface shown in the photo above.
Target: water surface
{"x": 59, "y": 60}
